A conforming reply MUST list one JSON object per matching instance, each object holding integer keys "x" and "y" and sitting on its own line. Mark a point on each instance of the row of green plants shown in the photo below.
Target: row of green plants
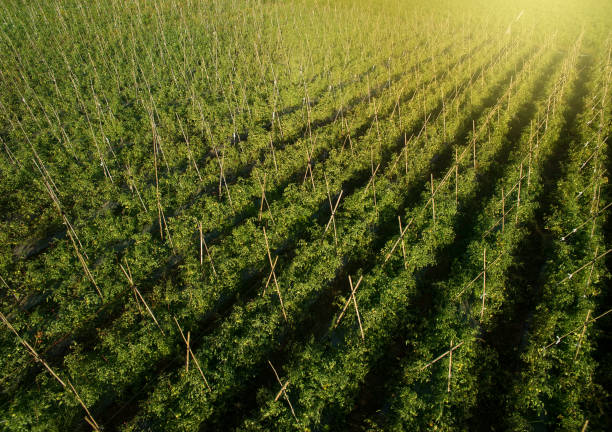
{"x": 391, "y": 303}
{"x": 112, "y": 235}
{"x": 59, "y": 324}
{"x": 134, "y": 360}
{"x": 469, "y": 304}
{"x": 362, "y": 227}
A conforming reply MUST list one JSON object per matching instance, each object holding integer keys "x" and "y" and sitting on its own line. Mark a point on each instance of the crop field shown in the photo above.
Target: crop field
{"x": 305, "y": 215}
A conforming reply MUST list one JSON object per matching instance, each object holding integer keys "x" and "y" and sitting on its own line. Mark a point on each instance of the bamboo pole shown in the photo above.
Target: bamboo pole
{"x": 193, "y": 357}
{"x": 333, "y": 212}
{"x": 331, "y": 209}
{"x": 38, "y": 358}
{"x": 348, "y": 302}
{"x": 558, "y": 339}
{"x": 582, "y": 334}
{"x": 203, "y": 243}
{"x": 283, "y": 389}
{"x": 280, "y": 297}
{"x": 399, "y": 219}
{"x": 356, "y": 308}
{"x": 441, "y": 356}
{"x": 398, "y": 240}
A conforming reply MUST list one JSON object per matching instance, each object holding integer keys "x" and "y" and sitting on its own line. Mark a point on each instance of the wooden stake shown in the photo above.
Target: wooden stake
{"x": 37, "y": 358}
{"x": 31, "y": 350}
{"x": 356, "y": 309}
{"x": 262, "y": 185}
{"x": 348, "y": 302}
{"x": 203, "y": 243}
{"x": 273, "y": 153}
{"x": 582, "y": 334}
{"x": 270, "y": 275}
{"x": 398, "y": 240}
{"x": 283, "y": 389}
{"x": 331, "y": 209}
{"x": 441, "y": 356}
{"x": 274, "y": 275}
{"x": 193, "y": 357}
{"x": 333, "y": 212}
{"x": 131, "y": 281}
{"x": 399, "y": 219}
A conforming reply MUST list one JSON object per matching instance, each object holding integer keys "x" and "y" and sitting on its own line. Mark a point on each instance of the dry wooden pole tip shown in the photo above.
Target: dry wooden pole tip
{"x": 398, "y": 240}
{"x": 283, "y": 389}
{"x": 128, "y": 275}
{"x": 582, "y": 334}
{"x": 356, "y": 309}
{"x": 584, "y": 428}
{"x": 571, "y": 275}
{"x": 222, "y": 175}
{"x": 273, "y": 153}
{"x": 203, "y": 243}
{"x": 263, "y": 199}
{"x": 331, "y": 208}
{"x": 189, "y": 153}
{"x": 31, "y": 350}
{"x": 441, "y": 356}
{"x": 371, "y": 179}
{"x": 484, "y": 281}
{"x": 148, "y": 309}
{"x": 348, "y": 302}
{"x": 157, "y": 196}
{"x": 52, "y": 190}
{"x": 272, "y": 264}
{"x": 89, "y": 417}
{"x": 333, "y": 212}
{"x": 309, "y": 169}
{"x": 592, "y": 320}
{"x": 591, "y": 271}
{"x": 193, "y": 357}
{"x": 270, "y": 275}
{"x": 399, "y": 219}
{"x": 450, "y": 365}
